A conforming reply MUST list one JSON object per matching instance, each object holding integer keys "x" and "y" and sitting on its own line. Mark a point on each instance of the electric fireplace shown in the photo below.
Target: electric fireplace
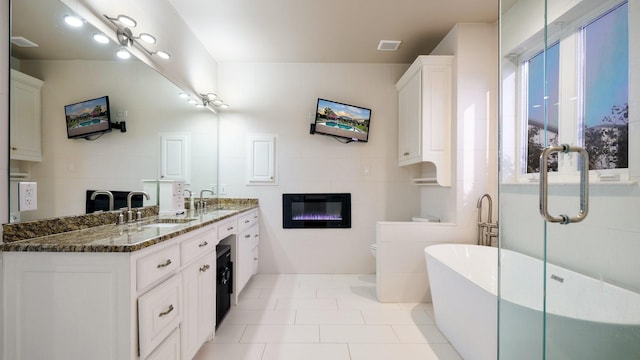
{"x": 316, "y": 211}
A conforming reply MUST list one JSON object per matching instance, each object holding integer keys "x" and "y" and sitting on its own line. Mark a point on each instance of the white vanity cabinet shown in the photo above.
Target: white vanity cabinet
{"x": 25, "y": 117}
{"x": 425, "y": 113}
{"x": 154, "y": 303}
{"x": 248, "y": 239}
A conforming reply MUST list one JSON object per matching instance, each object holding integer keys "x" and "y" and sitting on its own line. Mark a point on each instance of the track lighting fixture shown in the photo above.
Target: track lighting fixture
{"x": 126, "y": 38}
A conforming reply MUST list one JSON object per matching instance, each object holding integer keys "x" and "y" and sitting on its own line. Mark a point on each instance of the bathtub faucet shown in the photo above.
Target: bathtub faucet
{"x": 487, "y": 230}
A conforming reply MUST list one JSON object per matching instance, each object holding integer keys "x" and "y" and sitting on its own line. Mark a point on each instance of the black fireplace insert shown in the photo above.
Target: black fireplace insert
{"x": 317, "y": 211}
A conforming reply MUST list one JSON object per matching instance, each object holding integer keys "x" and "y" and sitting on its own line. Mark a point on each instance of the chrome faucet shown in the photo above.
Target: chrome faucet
{"x": 104, "y": 192}
{"x": 129, "y": 211}
{"x": 487, "y": 230}
{"x": 479, "y": 206}
{"x": 202, "y": 202}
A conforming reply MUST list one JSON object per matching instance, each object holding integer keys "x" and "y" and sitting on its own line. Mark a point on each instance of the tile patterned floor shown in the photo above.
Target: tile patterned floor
{"x": 324, "y": 317}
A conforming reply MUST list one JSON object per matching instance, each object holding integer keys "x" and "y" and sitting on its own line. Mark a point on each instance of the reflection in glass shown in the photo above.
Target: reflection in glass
{"x": 606, "y": 111}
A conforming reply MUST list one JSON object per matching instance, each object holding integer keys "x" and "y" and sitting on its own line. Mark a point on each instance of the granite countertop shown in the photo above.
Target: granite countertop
{"x": 128, "y": 237}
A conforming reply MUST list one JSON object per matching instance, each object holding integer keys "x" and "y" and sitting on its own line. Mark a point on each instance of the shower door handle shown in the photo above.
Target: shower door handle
{"x": 544, "y": 184}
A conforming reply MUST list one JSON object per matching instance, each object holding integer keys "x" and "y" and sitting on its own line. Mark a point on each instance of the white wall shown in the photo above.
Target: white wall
{"x": 280, "y": 99}
{"x": 115, "y": 161}
{"x": 475, "y": 140}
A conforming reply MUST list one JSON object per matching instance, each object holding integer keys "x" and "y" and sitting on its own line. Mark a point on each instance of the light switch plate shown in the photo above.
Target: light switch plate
{"x": 28, "y": 196}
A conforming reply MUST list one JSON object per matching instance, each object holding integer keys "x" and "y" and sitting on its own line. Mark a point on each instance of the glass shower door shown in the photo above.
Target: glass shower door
{"x": 569, "y": 198}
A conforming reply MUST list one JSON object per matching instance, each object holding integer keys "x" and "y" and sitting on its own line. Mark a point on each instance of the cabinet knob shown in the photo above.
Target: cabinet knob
{"x": 255, "y": 259}
{"x": 203, "y": 244}
{"x": 230, "y": 228}
{"x": 204, "y": 268}
{"x": 247, "y": 221}
{"x": 13, "y": 148}
{"x": 247, "y": 236}
{"x": 406, "y": 153}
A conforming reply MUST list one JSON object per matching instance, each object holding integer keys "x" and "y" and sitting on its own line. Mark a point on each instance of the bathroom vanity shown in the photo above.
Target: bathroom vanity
{"x": 145, "y": 290}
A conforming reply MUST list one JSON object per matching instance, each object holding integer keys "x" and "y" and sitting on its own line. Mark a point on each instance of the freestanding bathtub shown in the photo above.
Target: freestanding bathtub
{"x": 586, "y": 318}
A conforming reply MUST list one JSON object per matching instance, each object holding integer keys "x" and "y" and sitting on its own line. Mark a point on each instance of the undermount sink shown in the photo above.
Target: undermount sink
{"x": 161, "y": 225}
{"x": 167, "y": 223}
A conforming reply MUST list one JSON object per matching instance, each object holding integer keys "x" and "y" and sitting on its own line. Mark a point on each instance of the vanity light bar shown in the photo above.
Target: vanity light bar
{"x": 209, "y": 100}
{"x": 127, "y": 39}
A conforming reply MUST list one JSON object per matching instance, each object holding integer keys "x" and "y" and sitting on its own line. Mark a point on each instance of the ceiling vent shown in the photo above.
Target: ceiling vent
{"x": 22, "y": 42}
{"x": 389, "y": 45}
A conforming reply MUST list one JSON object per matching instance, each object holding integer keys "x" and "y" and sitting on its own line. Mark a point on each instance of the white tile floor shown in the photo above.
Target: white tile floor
{"x": 324, "y": 317}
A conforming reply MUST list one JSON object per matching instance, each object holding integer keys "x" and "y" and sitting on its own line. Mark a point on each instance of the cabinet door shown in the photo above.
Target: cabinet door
{"x": 410, "y": 120}
{"x": 199, "y": 282}
{"x": 261, "y": 168}
{"x": 25, "y": 117}
{"x": 207, "y": 297}
{"x": 189, "y": 327}
{"x": 245, "y": 268}
{"x": 175, "y": 157}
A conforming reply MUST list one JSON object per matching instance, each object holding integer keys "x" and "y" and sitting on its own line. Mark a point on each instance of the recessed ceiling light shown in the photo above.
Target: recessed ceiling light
{"x": 73, "y": 21}
{"x": 389, "y": 45}
{"x": 183, "y": 95}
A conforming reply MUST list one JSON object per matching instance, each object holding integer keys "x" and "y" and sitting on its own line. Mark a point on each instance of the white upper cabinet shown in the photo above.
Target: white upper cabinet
{"x": 261, "y": 168}
{"x": 425, "y": 113}
{"x": 25, "y": 117}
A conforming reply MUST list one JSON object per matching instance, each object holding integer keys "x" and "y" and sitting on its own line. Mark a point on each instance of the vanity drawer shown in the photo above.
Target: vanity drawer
{"x": 157, "y": 265}
{"x": 227, "y": 227}
{"x": 159, "y": 314}
{"x": 248, "y": 220}
{"x": 198, "y": 245}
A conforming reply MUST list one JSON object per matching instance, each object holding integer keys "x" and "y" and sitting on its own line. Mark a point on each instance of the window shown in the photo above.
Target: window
{"x": 542, "y": 106}
{"x": 606, "y": 89}
{"x": 589, "y": 106}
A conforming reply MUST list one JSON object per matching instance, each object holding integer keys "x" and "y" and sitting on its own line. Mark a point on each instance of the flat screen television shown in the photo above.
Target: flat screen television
{"x": 342, "y": 120}
{"x": 87, "y": 118}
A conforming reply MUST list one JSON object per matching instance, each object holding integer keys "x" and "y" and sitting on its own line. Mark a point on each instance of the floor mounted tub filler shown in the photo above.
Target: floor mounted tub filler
{"x": 603, "y": 324}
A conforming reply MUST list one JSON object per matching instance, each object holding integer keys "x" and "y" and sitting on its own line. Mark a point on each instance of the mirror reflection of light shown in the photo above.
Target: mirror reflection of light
{"x": 123, "y": 53}
{"x": 101, "y": 38}
{"x": 73, "y": 21}
{"x": 508, "y": 122}
{"x": 469, "y": 158}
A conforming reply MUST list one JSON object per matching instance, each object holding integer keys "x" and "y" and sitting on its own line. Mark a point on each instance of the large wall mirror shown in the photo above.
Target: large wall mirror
{"x": 72, "y": 68}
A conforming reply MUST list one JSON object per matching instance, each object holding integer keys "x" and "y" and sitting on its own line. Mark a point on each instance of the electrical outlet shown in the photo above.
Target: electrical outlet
{"x": 223, "y": 189}
{"x": 214, "y": 188}
{"x": 28, "y": 196}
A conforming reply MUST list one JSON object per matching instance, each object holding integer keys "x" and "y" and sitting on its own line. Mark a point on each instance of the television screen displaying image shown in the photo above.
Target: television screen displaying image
{"x": 342, "y": 120}
{"x": 89, "y": 117}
